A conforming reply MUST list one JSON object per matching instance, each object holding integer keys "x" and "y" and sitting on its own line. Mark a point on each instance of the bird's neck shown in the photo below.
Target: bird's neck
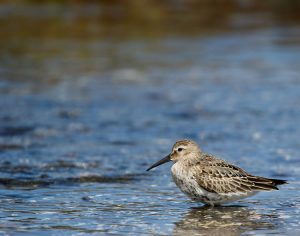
{"x": 191, "y": 159}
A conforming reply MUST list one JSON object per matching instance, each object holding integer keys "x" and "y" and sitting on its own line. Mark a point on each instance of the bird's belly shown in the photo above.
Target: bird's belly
{"x": 189, "y": 185}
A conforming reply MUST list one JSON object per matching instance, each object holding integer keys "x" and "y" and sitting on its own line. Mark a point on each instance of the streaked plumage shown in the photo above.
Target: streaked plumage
{"x": 210, "y": 180}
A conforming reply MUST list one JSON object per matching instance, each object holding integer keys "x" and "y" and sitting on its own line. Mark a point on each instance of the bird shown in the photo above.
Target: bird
{"x": 210, "y": 180}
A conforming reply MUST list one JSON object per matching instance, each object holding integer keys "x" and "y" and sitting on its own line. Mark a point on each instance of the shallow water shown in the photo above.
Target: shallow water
{"x": 81, "y": 119}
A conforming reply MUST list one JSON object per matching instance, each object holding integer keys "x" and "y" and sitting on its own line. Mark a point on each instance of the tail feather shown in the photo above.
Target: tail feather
{"x": 261, "y": 183}
{"x": 266, "y": 187}
{"x": 278, "y": 181}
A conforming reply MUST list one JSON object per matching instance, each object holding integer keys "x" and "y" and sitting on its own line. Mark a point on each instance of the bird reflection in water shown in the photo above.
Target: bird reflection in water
{"x": 231, "y": 220}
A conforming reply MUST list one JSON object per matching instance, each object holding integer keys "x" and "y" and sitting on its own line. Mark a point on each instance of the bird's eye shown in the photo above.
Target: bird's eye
{"x": 179, "y": 149}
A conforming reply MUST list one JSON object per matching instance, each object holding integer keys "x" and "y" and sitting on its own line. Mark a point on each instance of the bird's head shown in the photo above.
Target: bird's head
{"x": 181, "y": 150}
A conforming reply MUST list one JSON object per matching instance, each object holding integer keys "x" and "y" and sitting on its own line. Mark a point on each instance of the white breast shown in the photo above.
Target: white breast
{"x": 185, "y": 181}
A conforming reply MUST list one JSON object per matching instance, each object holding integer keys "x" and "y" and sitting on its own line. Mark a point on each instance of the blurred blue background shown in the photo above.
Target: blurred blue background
{"x": 93, "y": 92}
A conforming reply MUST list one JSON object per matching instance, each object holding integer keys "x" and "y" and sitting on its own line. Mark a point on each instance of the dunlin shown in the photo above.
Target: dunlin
{"x": 210, "y": 180}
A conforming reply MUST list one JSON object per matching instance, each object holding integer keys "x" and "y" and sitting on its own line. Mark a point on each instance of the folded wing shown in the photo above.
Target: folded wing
{"x": 217, "y": 176}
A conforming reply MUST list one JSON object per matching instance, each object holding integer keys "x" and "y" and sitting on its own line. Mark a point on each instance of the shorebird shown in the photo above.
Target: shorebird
{"x": 210, "y": 180}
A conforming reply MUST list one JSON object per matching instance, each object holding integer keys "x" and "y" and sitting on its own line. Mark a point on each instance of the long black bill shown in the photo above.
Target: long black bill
{"x": 160, "y": 162}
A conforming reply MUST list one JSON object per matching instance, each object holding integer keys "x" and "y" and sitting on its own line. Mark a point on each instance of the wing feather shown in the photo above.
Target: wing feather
{"x": 217, "y": 176}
